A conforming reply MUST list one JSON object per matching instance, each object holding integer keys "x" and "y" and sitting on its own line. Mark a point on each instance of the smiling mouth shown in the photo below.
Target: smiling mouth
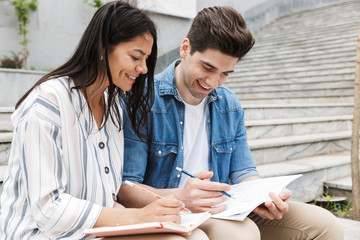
{"x": 203, "y": 86}
{"x": 131, "y": 77}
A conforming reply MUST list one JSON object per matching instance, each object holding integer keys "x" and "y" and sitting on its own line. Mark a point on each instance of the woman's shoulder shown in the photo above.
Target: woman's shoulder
{"x": 44, "y": 100}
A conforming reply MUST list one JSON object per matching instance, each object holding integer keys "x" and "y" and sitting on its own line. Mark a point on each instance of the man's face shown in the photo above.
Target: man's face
{"x": 203, "y": 72}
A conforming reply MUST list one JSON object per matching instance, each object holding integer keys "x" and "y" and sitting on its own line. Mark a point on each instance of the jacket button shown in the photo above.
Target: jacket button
{"x": 159, "y": 152}
{"x": 107, "y": 170}
{"x": 101, "y": 145}
{"x": 181, "y": 122}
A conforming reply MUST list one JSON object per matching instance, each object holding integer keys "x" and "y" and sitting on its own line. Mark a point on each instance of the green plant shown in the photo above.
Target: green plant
{"x": 22, "y": 8}
{"x": 340, "y": 208}
{"x": 94, "y": 3}
{"x": 13, "y": 61}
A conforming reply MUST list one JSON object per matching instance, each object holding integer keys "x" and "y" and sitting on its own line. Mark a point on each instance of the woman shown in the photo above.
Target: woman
{"x": 65, "y": 161}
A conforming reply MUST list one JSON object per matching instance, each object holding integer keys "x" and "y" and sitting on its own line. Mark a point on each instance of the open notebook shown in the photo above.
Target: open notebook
{"x": 250, "y": 194}
{"x": 188, "y": 223}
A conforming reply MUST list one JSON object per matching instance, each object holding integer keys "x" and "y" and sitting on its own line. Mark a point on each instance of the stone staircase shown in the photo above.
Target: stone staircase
{"x": 296, "y": 86}
{"x": 5, "y": 139}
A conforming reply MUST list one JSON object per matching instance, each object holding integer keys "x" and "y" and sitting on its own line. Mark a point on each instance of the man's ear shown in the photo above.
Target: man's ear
{"x": 185, "y": 48}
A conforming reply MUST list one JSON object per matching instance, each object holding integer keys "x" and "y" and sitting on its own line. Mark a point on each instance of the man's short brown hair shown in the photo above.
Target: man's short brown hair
{"x": 221, "y": 28}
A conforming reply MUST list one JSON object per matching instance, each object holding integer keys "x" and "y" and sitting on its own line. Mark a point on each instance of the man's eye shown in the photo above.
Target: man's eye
{"x": 135, "y": 58}
{"x": 208, "y": 69}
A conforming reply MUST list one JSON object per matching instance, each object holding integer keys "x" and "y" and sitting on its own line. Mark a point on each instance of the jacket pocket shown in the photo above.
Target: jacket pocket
{"x": 224, "y": 147}
{"x": 161, "y": 162}
{"x": 161, "y": 150}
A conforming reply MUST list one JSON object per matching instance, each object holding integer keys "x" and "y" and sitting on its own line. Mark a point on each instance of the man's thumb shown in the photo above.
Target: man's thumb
{"x": 204, "y": 175}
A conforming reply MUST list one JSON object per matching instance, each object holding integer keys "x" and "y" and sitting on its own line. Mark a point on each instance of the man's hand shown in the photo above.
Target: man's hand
{"x": 275, "y": 209}
{"x": 200, "y": 196}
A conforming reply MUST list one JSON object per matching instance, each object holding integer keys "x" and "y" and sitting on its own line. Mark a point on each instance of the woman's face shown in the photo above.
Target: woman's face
{"x": 127, "y": 60}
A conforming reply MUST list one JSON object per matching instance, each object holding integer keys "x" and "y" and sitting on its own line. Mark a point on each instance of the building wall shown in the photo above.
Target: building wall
{"x": 56, "y": 27}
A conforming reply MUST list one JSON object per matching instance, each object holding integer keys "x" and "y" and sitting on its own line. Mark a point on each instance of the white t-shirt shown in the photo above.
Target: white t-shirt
{"x": 196, "y": 148}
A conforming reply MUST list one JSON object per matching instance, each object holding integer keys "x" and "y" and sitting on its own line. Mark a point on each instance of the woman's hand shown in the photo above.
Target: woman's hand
{"x": 166, "y": 209}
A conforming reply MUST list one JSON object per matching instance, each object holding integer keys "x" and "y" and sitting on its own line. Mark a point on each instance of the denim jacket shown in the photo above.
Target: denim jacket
{"x": 153, "y": 162}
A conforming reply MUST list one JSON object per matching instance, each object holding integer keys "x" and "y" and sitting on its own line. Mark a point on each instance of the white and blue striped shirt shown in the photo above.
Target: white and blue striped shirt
{"x": 60, "y": 175}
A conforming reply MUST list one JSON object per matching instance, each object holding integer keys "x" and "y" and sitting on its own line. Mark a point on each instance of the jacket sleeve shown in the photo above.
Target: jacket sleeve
{"x": 135, "y": 154}
{"x": 242, "y": 163}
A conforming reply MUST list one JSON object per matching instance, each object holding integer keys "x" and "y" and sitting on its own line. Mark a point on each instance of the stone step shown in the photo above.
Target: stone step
{"x": 287, "y": 61}
{"x": 291, "y": 86}
{"x": 280, "y": 51}
{"x": 340, "y": 186}
{"x": 3, "y": 169}
{"x": 304, "y": 100}
{"x": 301, "y": 93}
{"x": 333, "y": 36}
{"x": 294, "y": 110}
{"x": 277, "y": 149}
{"x": 298, "y": 72}
{"x": 312, "y": 34}
{"x": 5, "y": 142}
{"x": 318, "y": 76}
{"x": 280, "y": 80}
{"x": 316, "y": 170}
{"x": 271, "y": 128}
{"x": 5, "y": 119}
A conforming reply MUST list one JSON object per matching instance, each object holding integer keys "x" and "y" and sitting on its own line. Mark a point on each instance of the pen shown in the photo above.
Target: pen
{"x": 190, "y": 175}
{"x": 149, "y": 192}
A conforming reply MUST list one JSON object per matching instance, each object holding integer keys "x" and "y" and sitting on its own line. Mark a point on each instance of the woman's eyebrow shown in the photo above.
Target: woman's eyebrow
{"x": 141, "y": 52}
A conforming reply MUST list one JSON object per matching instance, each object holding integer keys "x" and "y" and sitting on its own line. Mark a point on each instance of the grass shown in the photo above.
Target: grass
{"x": 340, "y": 207}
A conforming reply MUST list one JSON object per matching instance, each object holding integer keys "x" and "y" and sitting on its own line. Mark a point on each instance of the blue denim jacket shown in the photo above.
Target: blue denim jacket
{"x": 153, "y": 162}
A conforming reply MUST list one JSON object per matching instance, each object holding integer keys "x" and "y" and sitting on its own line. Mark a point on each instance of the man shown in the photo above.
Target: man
{"x": 198, "y": 125}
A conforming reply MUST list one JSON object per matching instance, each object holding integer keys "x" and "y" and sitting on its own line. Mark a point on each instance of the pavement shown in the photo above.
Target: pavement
{"x": 351, "y": 229}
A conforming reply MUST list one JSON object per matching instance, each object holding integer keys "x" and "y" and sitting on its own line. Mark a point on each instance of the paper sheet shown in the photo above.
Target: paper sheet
{"x": 251, "y": 194}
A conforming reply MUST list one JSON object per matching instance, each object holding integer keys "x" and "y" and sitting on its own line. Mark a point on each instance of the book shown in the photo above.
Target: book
{"x": 188, "y": 223}
{"x": 250, "y": 194}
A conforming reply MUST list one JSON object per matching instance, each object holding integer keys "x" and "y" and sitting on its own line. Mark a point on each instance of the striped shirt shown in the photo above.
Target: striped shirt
{"x": 60, "y": 173}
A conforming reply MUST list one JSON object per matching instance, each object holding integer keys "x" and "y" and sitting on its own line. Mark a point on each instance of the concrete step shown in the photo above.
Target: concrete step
{"x": 295, "y": 73}
{"x": 324, "y": 80}
{"x": 5, "y": 142}
{"x": 351, "y": 229}
{"x": 283, "y": 37}
{"x": 278, "y": 149}
{"x": 5, "y": 119}
{"x": 317, "y": 65}
{"x": 270, "y": 128}
{"x": 305, "y": 100}
{"x": 340, "y": 186}
{"x": 261, "y": 79}
{"x": 269, "y": 111}
{"x": 336, "y": 73}
{"x": 291, "y": 87}
{"x": 296, "y": 93}
{"x": 334, "y": 36}
{"x": 3, "y": 169}
{"x": 276, "y": 52}
{"x": 316, "y": 170}
{"x": 287, "y": 61}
